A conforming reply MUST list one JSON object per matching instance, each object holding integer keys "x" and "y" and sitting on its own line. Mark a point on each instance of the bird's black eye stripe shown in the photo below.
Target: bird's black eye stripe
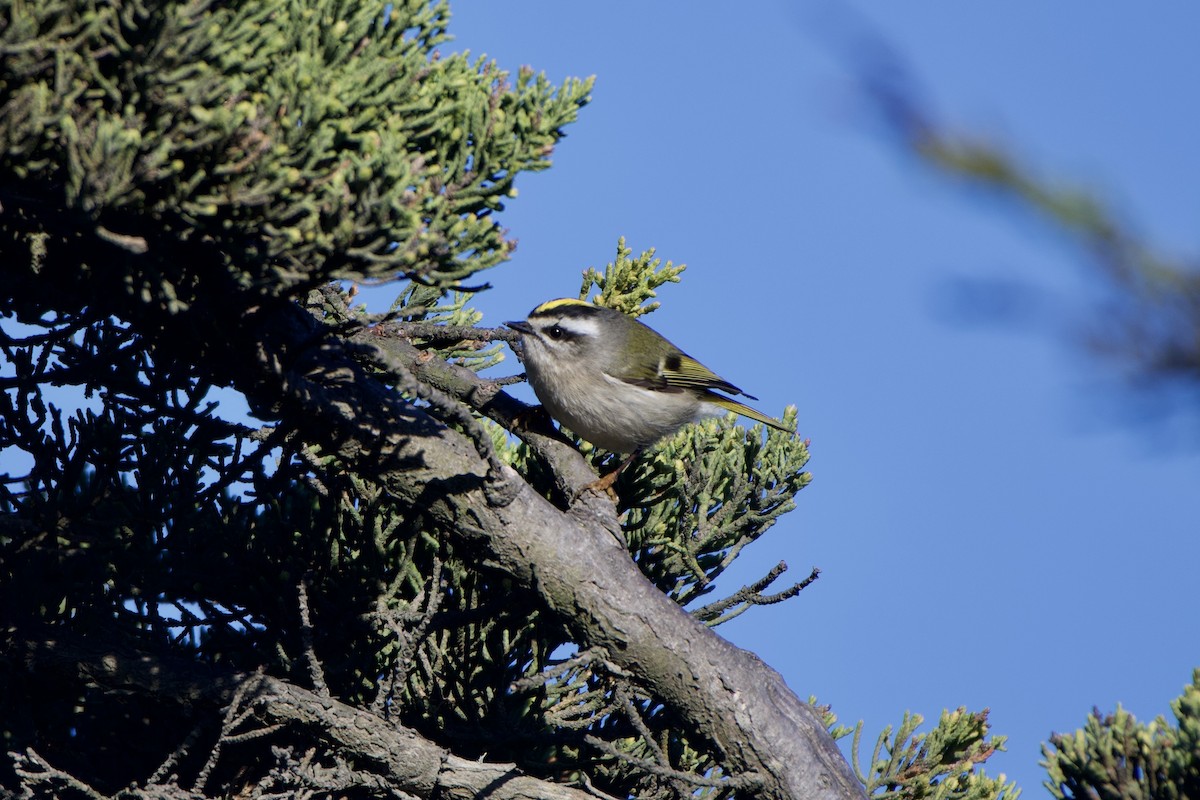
{"x": 560, "y": 334}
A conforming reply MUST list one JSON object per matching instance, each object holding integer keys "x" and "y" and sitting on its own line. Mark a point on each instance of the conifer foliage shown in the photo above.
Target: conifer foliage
{"x": 372, "y": 589}
{"x": 295, "y": 142}
{"x": 1114, "y": 756}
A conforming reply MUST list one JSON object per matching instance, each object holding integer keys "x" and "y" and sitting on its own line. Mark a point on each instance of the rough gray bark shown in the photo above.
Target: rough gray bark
{"x": 401, "y": 758}
{"x": 572, "y": 559}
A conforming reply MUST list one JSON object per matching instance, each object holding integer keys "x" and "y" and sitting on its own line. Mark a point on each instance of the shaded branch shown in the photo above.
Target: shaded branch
{"x": 404, "y": 759}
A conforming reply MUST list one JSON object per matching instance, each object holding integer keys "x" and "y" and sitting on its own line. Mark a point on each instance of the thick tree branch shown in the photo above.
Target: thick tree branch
{"x": 404, "y": 759}
{"x": 573, "y": 560}
{"x": 571, "y": 470}
{"x": 292, "y": 369}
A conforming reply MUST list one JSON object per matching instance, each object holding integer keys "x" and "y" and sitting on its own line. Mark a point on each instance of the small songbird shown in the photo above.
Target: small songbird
{"x": 616, "y": 382}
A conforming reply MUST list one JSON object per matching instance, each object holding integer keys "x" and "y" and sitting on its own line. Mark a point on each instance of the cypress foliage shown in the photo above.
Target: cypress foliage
{"x": 1115, "y": 757}
{"x": 194, "y": 606}
{"x": 300, "y": 141}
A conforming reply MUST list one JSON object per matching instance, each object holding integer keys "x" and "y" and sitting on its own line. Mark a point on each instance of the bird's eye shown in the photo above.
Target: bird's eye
{"x": 555, "y": 332}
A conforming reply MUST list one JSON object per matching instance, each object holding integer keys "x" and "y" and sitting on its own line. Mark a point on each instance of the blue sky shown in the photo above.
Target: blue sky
{"x": 993, "y": 529}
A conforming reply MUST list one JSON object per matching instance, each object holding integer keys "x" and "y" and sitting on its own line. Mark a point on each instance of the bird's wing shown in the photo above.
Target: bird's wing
{"x": 673, "y": 373}
{"x": 678, "y": 372}
{"x": 685, "y": 372}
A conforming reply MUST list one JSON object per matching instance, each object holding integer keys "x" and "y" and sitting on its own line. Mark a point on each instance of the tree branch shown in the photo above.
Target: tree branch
{"x": 290, "y": 368}
{"x": 406, "y": 760}
{"x": 727, "y": 695}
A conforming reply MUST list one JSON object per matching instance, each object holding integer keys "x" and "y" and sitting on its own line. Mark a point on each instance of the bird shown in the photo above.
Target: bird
{"x": 615, "y": 381}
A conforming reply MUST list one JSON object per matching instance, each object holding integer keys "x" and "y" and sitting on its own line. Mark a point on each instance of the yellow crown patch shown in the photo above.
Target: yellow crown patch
{"x": 560, "y": 303}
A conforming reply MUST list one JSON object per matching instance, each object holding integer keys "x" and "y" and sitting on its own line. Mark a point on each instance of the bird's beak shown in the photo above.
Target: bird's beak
{"x": 521, "y": 327}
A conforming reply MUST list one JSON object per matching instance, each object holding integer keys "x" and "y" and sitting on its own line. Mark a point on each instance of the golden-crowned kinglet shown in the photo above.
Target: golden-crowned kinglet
{"x": 616, "y": 382}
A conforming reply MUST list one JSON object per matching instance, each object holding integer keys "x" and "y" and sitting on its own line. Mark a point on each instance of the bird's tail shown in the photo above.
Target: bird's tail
{"x": 729, "y": 404}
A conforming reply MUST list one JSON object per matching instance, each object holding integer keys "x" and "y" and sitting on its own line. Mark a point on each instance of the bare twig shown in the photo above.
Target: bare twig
{"x": 163, "y": 773}
{"x": 746, "y": 782}
{"x": 581, "y": 660}
{"x": 408, "y": 625}
{"x": 33, "y": 770}
{"x": 134, "y": 244}
{"x": 316, "y": 674}
{"x": 455, "y": 333}
{"x": 625, "y": 698}
{"x": 718, "y": 612}
{"x": 235, "y": 714}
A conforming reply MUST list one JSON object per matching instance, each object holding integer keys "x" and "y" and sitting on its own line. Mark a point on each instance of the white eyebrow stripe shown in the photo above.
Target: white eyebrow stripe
{"x": 575, "y": 325}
